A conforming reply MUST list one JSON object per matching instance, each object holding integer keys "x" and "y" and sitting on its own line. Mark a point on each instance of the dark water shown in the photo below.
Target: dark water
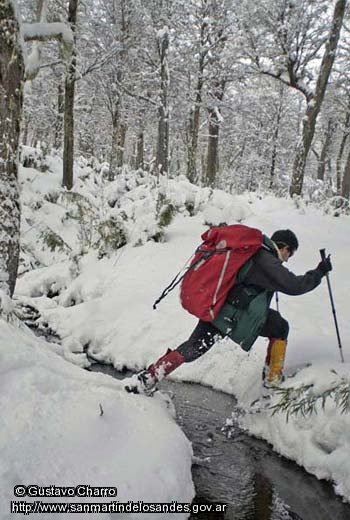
{"x": 233, "y": 468}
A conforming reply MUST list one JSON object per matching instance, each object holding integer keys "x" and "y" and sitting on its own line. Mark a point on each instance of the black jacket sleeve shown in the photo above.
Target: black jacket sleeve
{"x": 269, "y": 273}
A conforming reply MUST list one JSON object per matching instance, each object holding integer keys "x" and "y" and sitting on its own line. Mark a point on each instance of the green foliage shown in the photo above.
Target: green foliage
{"x": 80, "y": 206}
{"x": 103, "y": 233}
{"x": 161, "y": 200}
{"x": 165, "y": 211}
{"x": 303, "y": 400}
{"x": 54, "y": 241}
{"x": 166, "y": 215}
{"x": 52, "y": 196}
{"x": 159, "y": 236}
{"x": 111, "y": 233}
{"x": 190, "y": 206}
{"x": 336, "y": 206}
{"x": 35, "y": 158}
{"x": 80, "y": 209}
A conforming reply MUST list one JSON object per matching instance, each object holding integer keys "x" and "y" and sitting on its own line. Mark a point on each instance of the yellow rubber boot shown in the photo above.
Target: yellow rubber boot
{"x": 276, "y": 355}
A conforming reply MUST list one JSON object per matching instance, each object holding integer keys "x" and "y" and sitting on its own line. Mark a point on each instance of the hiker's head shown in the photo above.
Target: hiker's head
{"x": 287, "y": 243}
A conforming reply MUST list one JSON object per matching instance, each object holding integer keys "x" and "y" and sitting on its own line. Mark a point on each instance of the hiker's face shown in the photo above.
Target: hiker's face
{"x": 285, "y": 253}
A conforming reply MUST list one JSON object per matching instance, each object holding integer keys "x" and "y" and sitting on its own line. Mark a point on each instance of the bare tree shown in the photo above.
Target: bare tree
{"x": 214, "y": 120}
{"x": 325, "y": 150}
{"x": 12, "y": 77}
{"x": 275, "y": 136}
{"x": 315, "y": 99}
{"x": 345, "y": 188}
{"x": 58, "y": 127}
{"x": 68, "y": 143}
{"x": 284, "y": 43}
{"x": 194, "y": 116}
{"x": 11, "y": 98}
{"x": 162, "y": 155}
{"x": 341, "y": 149}
{"x": 116, "y": 95}
{"x": 208, "y": 24}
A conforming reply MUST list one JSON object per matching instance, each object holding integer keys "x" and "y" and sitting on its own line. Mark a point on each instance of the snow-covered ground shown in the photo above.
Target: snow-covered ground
{"x": 105, "y": 304}
{"x": 63, "y": 426}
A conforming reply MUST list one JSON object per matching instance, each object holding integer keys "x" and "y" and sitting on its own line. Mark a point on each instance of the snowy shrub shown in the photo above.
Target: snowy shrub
{"x": 223, "y": 208}
{"x": 336, "y": 206}
{"x": 54, "y": 241}
{"x": 78, "y": 205}
{"x": 305, "y": 400}
{"x": 166, "y": 215}
{"x": 35, "y": 204}
{"x": 190, "y": 207}
{"x": 27, "y": 259}
{"x": 34, "y": 158}
{"x": 299, "y": 203}
{"x": 52, "y": 196}
{"x": 112, "y": 235}
{"x": 7, "y": 306}
{"x": 96, "y": 230}
{"x": 81, "y": 209}
{"x": 159, "y": 236}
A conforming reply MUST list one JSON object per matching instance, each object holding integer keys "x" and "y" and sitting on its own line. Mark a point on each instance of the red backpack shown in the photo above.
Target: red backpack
{"x": 213, "y": 268}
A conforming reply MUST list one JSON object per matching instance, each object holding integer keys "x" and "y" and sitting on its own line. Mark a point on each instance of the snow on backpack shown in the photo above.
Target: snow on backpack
{"x": 213, "y": 269}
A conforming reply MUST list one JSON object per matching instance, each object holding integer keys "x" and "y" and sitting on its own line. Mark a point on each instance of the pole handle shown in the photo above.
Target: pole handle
{"x": 323, "y": 254}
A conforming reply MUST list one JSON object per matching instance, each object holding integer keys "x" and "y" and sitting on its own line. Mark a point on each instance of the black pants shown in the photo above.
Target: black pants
{"x": 206, "y": 334}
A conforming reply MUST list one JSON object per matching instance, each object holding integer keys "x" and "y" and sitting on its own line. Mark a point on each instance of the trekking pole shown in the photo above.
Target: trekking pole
{"x": 323, "y": 256}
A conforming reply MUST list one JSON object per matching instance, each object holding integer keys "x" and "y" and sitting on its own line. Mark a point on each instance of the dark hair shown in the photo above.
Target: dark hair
{"x": 285, "y": 238}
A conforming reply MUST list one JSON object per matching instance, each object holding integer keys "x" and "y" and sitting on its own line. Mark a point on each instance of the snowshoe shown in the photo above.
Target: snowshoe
{"x": 142, "y": 383}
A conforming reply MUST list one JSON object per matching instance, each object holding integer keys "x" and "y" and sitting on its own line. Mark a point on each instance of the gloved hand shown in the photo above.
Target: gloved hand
{"x": 325, "y": 265}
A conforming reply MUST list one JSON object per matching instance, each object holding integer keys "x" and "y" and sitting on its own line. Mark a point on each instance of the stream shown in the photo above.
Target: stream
{"x": 243, "y": 472}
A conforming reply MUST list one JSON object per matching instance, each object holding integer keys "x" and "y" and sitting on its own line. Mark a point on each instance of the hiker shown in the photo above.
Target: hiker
{"x": 251, "y": 296}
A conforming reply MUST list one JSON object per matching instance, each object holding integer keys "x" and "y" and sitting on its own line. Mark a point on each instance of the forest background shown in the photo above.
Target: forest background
{"x": 232, "y": 94}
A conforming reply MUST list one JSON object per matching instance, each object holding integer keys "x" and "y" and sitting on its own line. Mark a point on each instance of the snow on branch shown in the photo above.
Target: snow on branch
{"x": 47, "y": 31}
{"x": 43, "y": 31}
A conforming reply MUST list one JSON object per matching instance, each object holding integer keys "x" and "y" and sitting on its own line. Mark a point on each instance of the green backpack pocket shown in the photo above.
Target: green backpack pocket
{"x": 243, "y": 325}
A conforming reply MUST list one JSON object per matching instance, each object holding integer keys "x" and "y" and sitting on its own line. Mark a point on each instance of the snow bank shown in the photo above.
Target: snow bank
{"x": 107, "y": 308}
{"x": 320, "y": 442}
{"x": 53, "y": 432}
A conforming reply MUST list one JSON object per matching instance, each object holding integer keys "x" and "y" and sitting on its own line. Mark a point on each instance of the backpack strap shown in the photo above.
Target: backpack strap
{"x": 269, "y": 245}
{"x": 205, "y": 254}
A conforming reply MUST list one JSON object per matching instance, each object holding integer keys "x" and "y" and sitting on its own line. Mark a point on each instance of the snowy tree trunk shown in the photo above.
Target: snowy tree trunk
{"x": 59, "y": 117}
{"x": 195, "y": 115}
{"x": 121, "y": 137}
{"x": 11, "y": 87}
{"x": 113, "y": 155}
{"x": 321, "y": 169}
{"x": 119, "y": 126}
{"x": 119, "y": 129}
{"x": 275, "y": 139}
{"x": 212, "y": 162}
{"x": 314, "y": 102}
{"x": 341, "y": 152}
{"x": 139, "y": 164}
{"x": 162, "y": 155}
{"x": 25, "y": 129}
{"x": 68, "y": 141}
{"x": 125, "y": 36}
{"x": 345, "y": 189}
{"x": 194, "y": 133}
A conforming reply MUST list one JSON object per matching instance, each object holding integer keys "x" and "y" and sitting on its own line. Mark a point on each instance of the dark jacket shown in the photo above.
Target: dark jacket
{"x": 246, "y": 308}
{"x": 268, "y": 272}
